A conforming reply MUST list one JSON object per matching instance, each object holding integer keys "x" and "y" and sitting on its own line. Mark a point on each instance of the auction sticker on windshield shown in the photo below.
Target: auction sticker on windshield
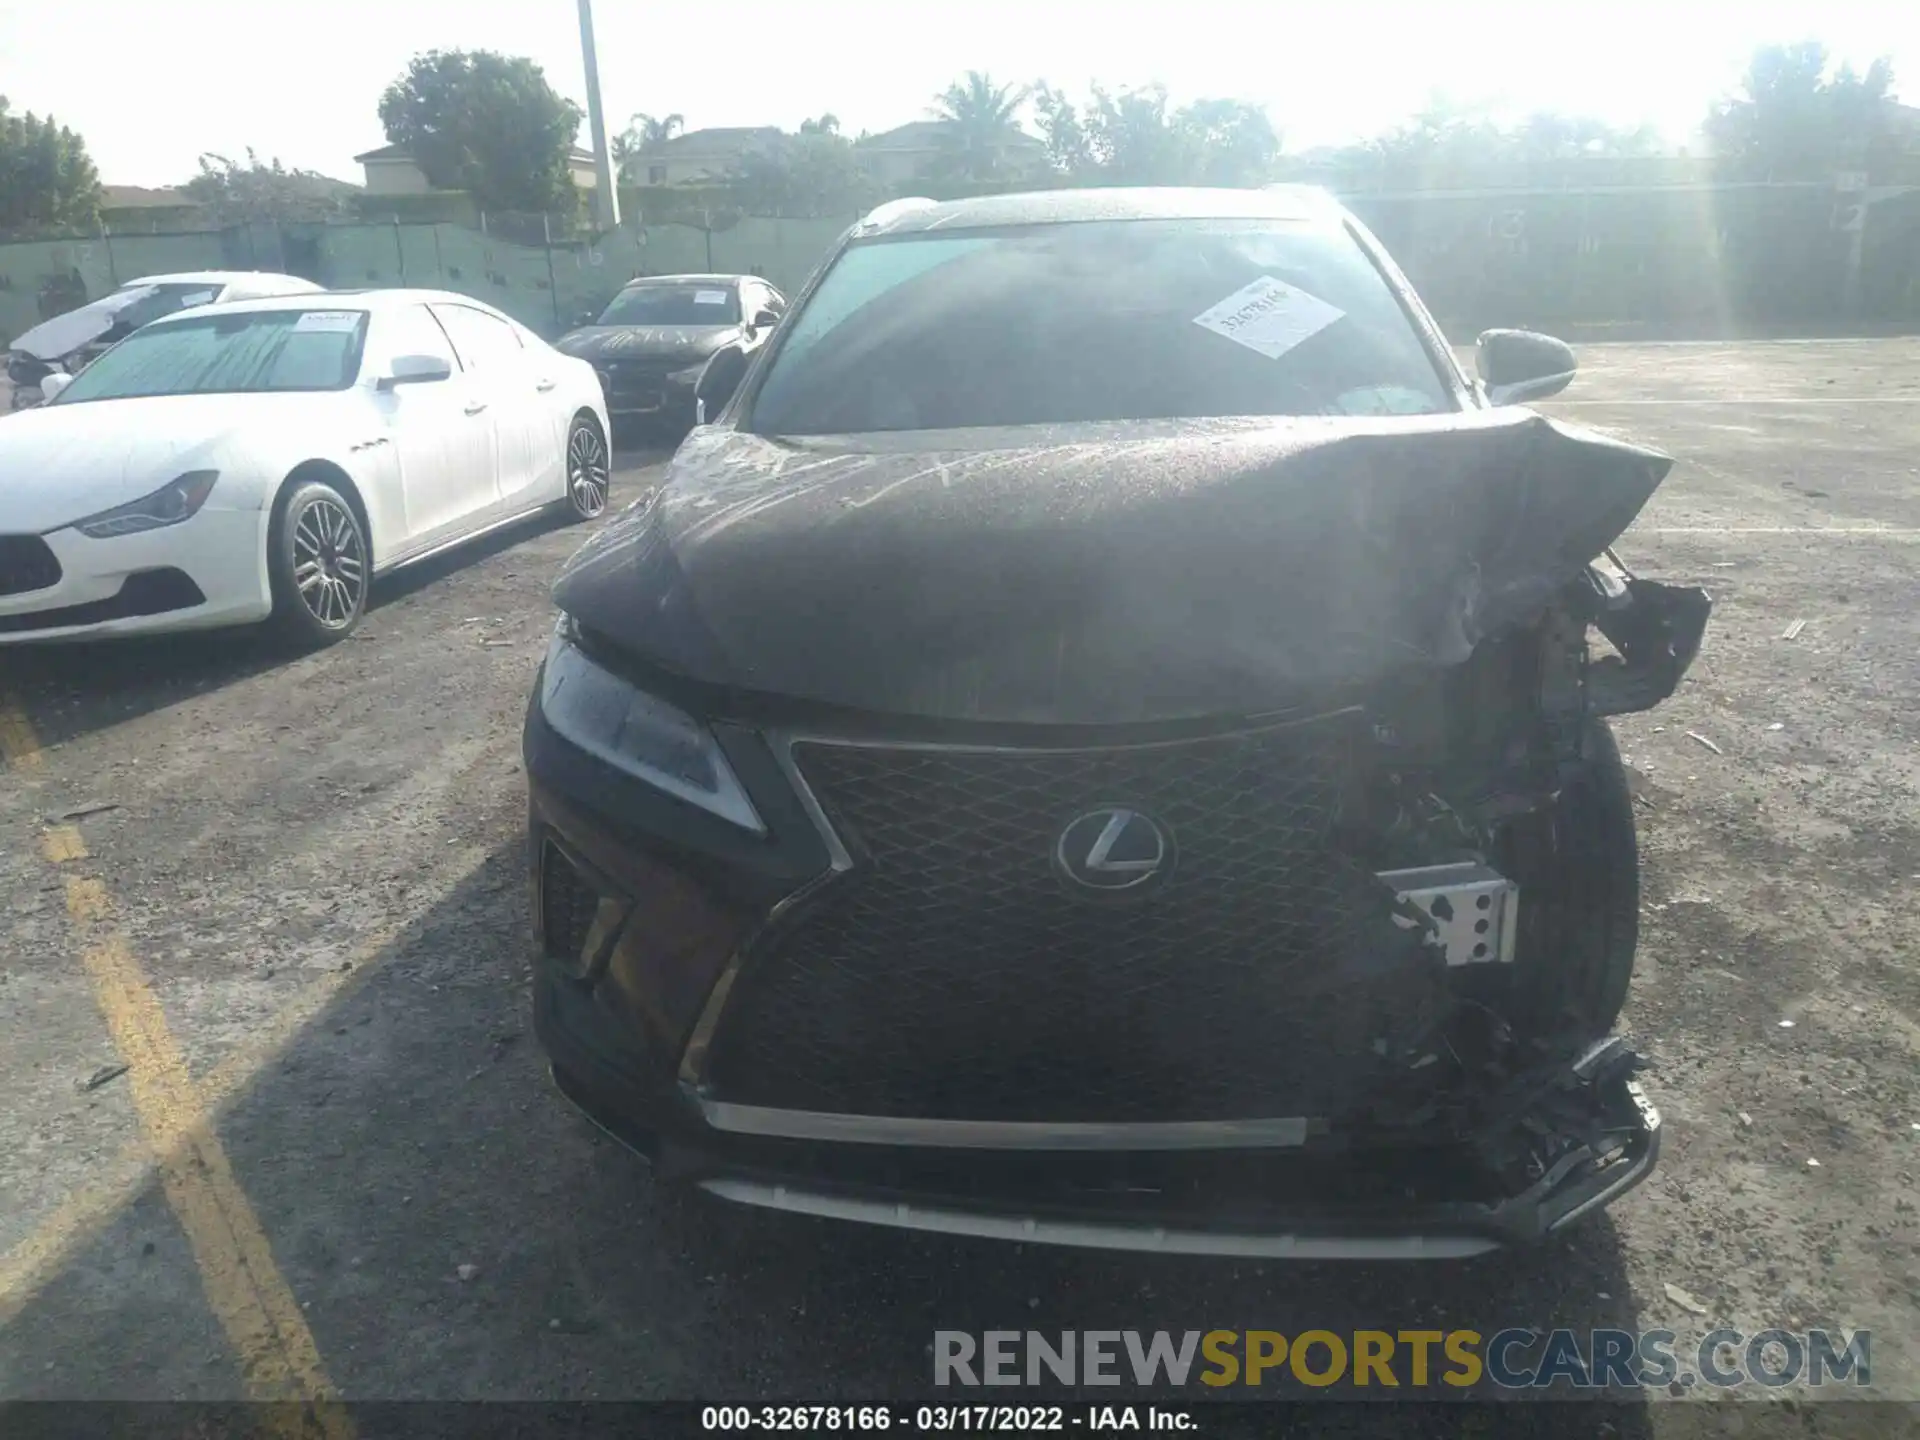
{"x": 709, "y": 297}
{"x": 1269, "y": 317}
{"x": 328, "y": 321}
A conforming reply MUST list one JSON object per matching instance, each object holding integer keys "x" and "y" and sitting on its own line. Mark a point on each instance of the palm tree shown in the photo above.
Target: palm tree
{"x": 652, "y": 133}
{"x": 979, "y": 115}
{"x": 643, "y": 133}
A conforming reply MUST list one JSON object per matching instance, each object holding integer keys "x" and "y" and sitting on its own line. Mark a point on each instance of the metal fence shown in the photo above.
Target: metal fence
{"x": 1709, "y": 255}
{"x": 525, "y": 264}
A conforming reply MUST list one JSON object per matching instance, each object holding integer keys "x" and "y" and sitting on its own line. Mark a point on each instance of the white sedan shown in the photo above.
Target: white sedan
{"x": 264, "y": 460}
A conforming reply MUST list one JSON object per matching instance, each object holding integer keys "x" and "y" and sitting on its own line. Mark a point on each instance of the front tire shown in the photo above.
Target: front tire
{"x": 1578, "y": 867}
{"x": 319, "y": 564}
{"x": 589, "y": 470}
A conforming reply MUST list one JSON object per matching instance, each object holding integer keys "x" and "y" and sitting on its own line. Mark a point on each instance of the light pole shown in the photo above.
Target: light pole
{"x": 606, "y": 196}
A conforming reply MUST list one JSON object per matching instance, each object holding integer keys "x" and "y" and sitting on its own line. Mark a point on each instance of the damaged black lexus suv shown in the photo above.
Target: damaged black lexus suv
{"x": 1102, "y": 739}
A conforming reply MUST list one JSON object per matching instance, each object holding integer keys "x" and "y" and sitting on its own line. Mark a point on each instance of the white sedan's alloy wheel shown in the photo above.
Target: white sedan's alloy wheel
{"x": 318, "y": 563}
{"x": 329, "y": 562}
{"x": 588, "y": 471}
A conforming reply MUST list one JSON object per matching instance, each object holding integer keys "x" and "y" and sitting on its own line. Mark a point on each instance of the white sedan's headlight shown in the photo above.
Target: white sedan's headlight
{"x": 173, "y": 502}
{"x": 640, "y": 734}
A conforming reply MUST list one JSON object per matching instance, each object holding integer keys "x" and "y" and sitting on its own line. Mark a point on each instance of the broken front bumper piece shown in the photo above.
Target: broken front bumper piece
{"x": 1656, "y": 630}
{"x": 1548, "y": 1148}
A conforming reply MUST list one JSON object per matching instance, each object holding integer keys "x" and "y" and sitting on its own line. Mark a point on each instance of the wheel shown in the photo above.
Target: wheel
{"x": 1578, "y": 867}
{"x": 588, "y": 469}
{"x": 318, "y": 563}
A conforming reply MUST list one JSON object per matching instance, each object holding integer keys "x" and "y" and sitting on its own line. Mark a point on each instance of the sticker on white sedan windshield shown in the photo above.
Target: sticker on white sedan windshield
{"x": 199, "y": 297}
{"x": 328, "y": 321}
{"x": 1269, "y": 317}
{"x": 709, "y": 297}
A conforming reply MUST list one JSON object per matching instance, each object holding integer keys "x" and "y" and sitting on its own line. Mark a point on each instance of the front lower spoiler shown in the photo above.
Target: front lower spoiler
{"x": 1587, "y": 1171}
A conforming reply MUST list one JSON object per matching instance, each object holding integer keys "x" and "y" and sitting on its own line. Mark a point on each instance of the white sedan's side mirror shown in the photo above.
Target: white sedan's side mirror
{"x": 417, "y": 370}
{"x": 52, "y": 385}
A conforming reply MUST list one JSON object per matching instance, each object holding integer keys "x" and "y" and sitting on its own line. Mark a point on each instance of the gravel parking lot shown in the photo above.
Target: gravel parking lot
{"x": 290, "y": 896}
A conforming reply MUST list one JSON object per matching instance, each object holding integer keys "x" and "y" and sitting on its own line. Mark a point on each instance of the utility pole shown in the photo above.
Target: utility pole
{"x": 606, "y": 195}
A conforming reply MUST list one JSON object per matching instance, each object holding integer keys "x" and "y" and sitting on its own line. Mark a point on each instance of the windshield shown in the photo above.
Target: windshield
{"x": 165, "y": 300}
{"x": 1108, "y": 320}
{"x": 229, "y": 353}
{"x": 674, "y": 305}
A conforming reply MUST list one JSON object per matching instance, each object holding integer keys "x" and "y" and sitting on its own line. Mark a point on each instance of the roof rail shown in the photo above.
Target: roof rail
{"x": 892, "y": 210}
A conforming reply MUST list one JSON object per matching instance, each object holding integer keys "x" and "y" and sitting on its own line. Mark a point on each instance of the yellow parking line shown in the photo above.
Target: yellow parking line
{"x": 255, "y": 1306}
{"x": 19, "y": 746}
{"x": 32, "y": 1264}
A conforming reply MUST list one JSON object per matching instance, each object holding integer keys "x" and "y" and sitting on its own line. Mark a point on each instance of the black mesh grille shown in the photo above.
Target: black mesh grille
{"x": 955, "y": 974}
{"x": 567, "y": 908}
{"x": 640, "y": 381}
{"x": 26, "y": 564}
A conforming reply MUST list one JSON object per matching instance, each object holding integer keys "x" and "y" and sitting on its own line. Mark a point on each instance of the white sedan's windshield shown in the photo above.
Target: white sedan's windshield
{"x": 228, "y": 353}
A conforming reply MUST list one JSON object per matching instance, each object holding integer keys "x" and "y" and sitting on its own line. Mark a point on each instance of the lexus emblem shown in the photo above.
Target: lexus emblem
{"x": 1113, "y": 848}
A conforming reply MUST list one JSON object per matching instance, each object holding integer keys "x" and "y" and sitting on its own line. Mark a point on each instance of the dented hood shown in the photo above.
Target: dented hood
{"x": 1102, "y": 574}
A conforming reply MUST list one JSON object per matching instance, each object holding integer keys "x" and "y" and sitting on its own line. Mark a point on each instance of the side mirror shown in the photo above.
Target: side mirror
{"x": 585, "y": 317}
{"x": 764, "y": 320}
{"x": 717, "y": 382}
{"x": 417, "y": 370}
{"x": 1517, "y": 366}
{"x": 52, "y": 385}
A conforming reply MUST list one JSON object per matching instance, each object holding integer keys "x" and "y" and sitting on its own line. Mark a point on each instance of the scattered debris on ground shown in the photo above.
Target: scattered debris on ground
{"x": 105, "y": 1075}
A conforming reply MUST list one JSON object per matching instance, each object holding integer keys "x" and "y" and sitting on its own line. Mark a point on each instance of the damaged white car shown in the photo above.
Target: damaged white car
{"x": 67, "y": 343}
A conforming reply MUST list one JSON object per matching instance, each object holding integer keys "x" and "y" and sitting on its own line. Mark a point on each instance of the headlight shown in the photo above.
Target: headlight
{"x": 173, "y": 502}
{"x": 640, "y": 734}
{"x": 689, "y": 375}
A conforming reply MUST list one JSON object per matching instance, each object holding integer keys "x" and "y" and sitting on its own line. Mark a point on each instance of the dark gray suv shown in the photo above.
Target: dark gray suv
{"x": 1096, "y": 741}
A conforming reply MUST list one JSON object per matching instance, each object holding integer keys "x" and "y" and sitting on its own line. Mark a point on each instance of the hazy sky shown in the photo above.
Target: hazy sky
{"x": 152, "y": 85}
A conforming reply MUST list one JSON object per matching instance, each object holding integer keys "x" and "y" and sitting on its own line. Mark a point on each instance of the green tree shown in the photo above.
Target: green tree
{"x": 1137, "y": 140}
{"x": 643, "y": 134}
{"x": 265, "y": 191}
{"x": 1069, "y": 151}
{"x": 1446, "y": 135}
{"x": 46, "y": 179}
{"x": 979, "y": 117}
{"x": 816, "y": 172}
{"x": 1228, "y": 142}
{"x": 827, "y": 124}
{"x": 488, "y": 124}
{"x": 1136, "y": 137}
{"x": 1797, "y": 119}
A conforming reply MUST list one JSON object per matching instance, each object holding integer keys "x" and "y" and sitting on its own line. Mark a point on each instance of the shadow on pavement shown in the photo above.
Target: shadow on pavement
{"x": 74, "y": 688}
{"x": 411, "y": 1131}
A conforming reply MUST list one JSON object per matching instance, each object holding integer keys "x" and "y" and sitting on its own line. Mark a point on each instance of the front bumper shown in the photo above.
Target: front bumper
{"x": 208, "y": 571}
{"x": 647, "y": 399}
{"x": 1305, "y": 1203}
{"x": 622, "y": 987}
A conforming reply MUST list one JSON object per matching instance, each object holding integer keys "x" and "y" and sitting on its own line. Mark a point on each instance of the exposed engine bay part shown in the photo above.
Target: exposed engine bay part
{"x": 1471, "y": 908}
